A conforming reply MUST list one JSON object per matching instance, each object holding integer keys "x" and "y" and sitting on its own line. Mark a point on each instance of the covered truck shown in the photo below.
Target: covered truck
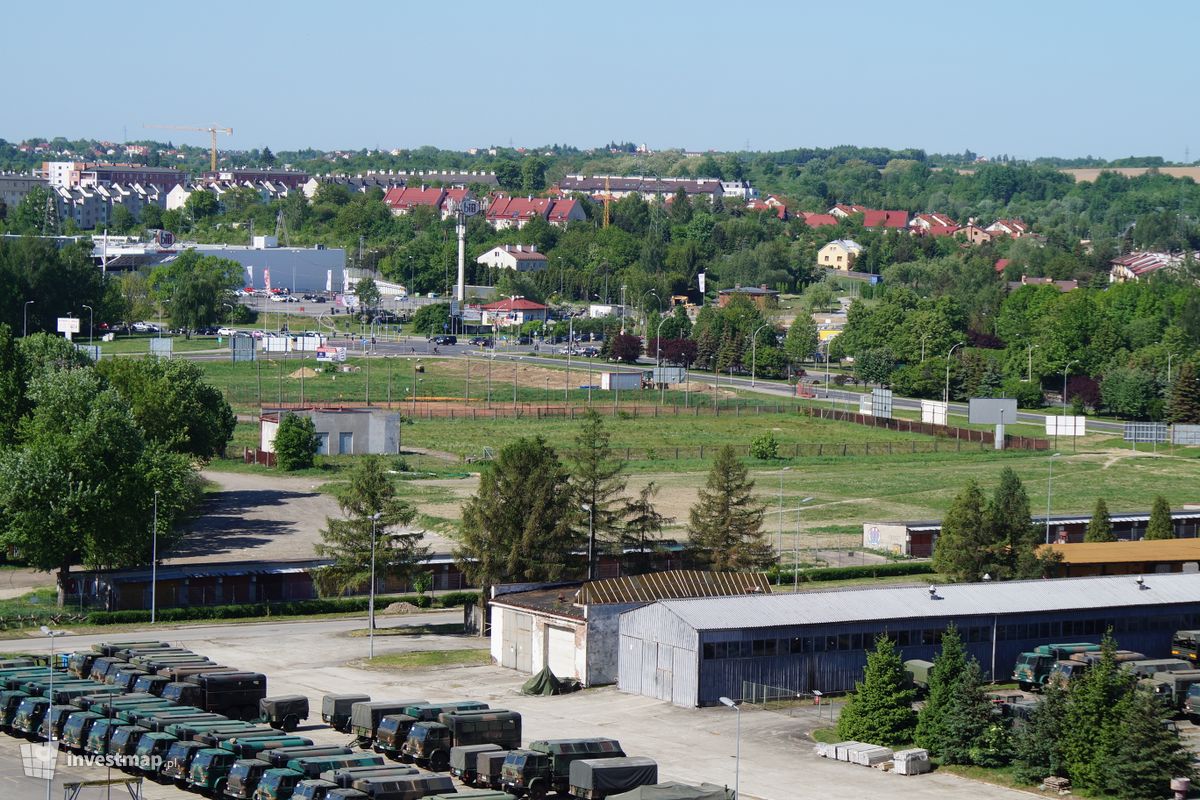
{"x": 335, "y": 709}
{"x": 365, "y": 717}
{"x": 597, "y": 778}
{"x": 464, "y": 757}
{"x": 676, "y": 791}
{"x": 283, "y": 711}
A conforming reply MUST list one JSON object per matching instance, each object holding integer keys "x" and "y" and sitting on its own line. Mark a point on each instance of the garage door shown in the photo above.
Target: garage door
{"x": 561, "y": 651}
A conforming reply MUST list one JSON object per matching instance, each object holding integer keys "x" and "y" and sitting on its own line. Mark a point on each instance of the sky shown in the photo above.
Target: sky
{"x": 1026, "y": 79}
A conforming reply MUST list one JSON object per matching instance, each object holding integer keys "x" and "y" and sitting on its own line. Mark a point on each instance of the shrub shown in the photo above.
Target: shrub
{"x": 765, "y": 446}
{"x": 295, "y": 442}
{"x": 821, "y": 574}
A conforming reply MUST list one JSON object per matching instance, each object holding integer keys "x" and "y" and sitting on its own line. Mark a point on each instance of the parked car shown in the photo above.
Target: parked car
{"x": 145, "y": 327}
{"x": 444, "y": 340}
{"x": 590, "y": 352}
{"x": 226, "y": 331}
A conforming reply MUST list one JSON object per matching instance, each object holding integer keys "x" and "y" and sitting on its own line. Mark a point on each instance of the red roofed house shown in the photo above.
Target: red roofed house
{"x": 1134, "y": 266}
{"x": 929, "y": 222}
{"x": 514, "y": 311}
{"x": 517, "y": 257}
{"x": 841, "y": 211}
{"x": 515, "y": 212}
{"x": 403, "y": 199}
{"x": 772, "y": 203}
{"x": 564, "y": 211}
{"x": 973, "y": 234}
{"x": 1008, "y": 227}
{"x": 885, "y": 219}
{"x": 1001, "y": 264}
{"x": 452, "y": 200}
{"x": 818, "y": 220}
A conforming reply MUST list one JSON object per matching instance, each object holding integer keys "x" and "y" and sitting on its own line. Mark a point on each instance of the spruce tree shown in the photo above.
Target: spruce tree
{"x": 948, "y": 666}
{"x": 1183, "y": 400}
{"x": 880, "y": 709}
{"x": 962, "y": 551}
{"x": 598, "y": 480}
{"x": 971, "y": 734}
{"x": 1091, "y": 718}
{"x": 1038, "y": 744}
{"x": 1160, "y": 526}
{"x": 725, "y": 529}
{"x": 643, "y": 525}
{"x": 1099, "y": 527}
{"x": 1142, "y": 753}
{"x": 1013, "y": 538}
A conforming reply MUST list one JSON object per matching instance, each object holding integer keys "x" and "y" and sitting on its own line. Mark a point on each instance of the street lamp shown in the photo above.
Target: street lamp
{"x": 924, "y": 336}
{"x": 591, "y": 570}
{"x": 796, "y": 545}
{"x": 371, "y": 597}
{"x": 25, "y": 318}
{"x": 1065, "y": 370}
{"x": 754, "y": 350}
{"x": 92, "y": 327}
{"x": 946, "y": 396}
{"x": 737, "y": 764}
{"x": 1049, "y": 489}
{"x": 50, "y": 727}
{"x": 779, "y": 537}
{"x": 154, "y": 562}
{"x": 1029, "y": 368}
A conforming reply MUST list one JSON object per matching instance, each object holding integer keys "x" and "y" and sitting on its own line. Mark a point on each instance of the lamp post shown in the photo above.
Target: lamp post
{"x": 1029, "y": 367}
{"x": 371, "y": 596}
{"x": 591, "y": 568}
{"x": 25, "y": 318}
{"x": 796, "y": 546}
{"x": 92, "y": 327}
{"x": 924, "y": 336}
{"x": 754, "y": 350}
{"x": 779, "y": 537}
{"x": 946, "y": 395}
{"x": 1049, "y": 490}
{"x": 1065, "y": 370}
{"x": 737, "y": 763}
{"x": 662, "y": 394}
{"x": 50, "y": 727}
{"x": 154, "y": 563}
{"x": 1169, "y": 357}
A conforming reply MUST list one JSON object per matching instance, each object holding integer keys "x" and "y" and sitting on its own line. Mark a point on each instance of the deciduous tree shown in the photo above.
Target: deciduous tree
{"x": 295, "y": 442}
{"x": 725, "y": 527}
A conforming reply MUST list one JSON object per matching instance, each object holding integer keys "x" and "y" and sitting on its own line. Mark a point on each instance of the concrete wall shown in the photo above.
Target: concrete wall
{"x": 884, "y": 536}
{"x": 603, "y": 642}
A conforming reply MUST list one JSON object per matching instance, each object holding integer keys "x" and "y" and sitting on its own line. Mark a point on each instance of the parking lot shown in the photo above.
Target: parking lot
{"x": 691, "y": 745}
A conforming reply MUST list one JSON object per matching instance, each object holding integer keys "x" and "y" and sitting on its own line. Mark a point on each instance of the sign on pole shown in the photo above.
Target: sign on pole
{"x": 865, "y": 404}
{"x": 68, "y": 326}
{"x": 91, "y": 351}
{"x": 242, "y": 348}
{"x": 881, "y": 403}
{"x": 1066, "y": 426}
{"x": 991, "y": 411}
{"x": 163, "y": 348}
{"x": 1145, "y": 432}
{"x": 1185, "y": 435}
{"x": 933, "y": 412}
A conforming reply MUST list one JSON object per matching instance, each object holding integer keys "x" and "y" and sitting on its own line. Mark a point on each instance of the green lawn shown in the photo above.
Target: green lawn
{"x": 140, "y": 344}
{"x": 430, "y": 658}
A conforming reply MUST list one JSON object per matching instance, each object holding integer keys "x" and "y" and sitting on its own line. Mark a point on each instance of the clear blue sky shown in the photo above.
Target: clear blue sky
{"x": 1055, "y": 77}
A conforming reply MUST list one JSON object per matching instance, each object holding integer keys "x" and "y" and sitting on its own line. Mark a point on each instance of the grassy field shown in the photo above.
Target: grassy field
{"x": 429, "y": 658}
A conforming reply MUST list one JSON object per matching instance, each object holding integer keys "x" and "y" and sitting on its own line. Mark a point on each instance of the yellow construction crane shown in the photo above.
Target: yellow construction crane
{"x": 212, "y": 130}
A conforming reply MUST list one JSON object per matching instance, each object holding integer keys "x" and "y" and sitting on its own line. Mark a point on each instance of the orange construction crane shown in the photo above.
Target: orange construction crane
{"x": 212, "y": 130}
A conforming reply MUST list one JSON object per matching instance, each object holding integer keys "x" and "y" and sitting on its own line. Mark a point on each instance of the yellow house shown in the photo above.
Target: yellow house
{"x": 839, "y": 254}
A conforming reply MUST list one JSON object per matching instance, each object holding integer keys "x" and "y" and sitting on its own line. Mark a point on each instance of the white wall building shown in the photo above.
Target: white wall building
{"x": 519, "y": 257}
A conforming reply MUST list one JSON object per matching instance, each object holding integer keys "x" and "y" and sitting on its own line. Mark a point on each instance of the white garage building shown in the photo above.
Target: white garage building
{"x": 573, "y": 628}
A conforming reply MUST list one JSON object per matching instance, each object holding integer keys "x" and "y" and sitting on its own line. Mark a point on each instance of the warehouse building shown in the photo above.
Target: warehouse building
{"x": 572, "y": 628}
{"x": 692, "y": 652}
{"x": 1082, "y": 559}
{"x": 917, "y": 538}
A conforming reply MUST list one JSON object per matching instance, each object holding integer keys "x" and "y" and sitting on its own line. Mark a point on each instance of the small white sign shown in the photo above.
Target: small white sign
{"x": 1066, "y": 426}
{"x": 68, "y": 326}
{"x": 933, "y": 412}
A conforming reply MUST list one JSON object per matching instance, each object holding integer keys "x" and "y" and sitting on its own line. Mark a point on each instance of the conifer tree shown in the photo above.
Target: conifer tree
{"x": 971, "y": 734}
{"x": 1092, "y": 714}
{"x": 642, "y": 526}
{"x": 948, "y": 666}
{"x": 1142, "y": 753}
{"x": 880, "y": 709}
{"x": 598, "y": 480}
{"x": 962, "y": 550}
{"x": 725, "y": 527}
{"x": 1160, "y": 526}
{"x": 1099, "y": 527}
{"x": 1013, "y": 536}
{"x": 1038, "y": 744}
{"x": 1183, "y": 400}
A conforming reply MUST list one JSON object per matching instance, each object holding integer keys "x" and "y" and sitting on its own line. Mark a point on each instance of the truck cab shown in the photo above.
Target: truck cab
{"x": 312, "y": 789}
{"x": 29, "y": 715}
{"x": 151, "y": 746}
{"x": 177, "y": 763}
{"x": 244, "y": 777}
{"x": 76, "y": 730}
{"x": 1186, "y": 645}
{"x": 277, "y": 784}
{"x": 54, "y": 720}
{"x": 390, "y": 735}
{"x": 209, "y": 772}
{"x": 150, "y": 684}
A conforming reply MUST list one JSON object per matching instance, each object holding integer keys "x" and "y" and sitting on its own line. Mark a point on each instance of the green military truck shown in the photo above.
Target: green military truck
{"x": 111, "y": 648}
{"x": 545, "y": 767}
{"x": 259, "y": 746}
{"x": 335, "y": 709}
{"x": 150, "y": 684}
{"x": 234, "y": 694}
{"x": 151, "y": 750}
{"x": 1033, "y": 667}
{"x": 177, "y": 763}
{"x": 393, "y": 729}
{"x": 244, "y": 776}
{"x": 313, "y": 766}
{"x": 597, "y": 778}
{"x": 214, "y": 737}
{"x": 343, "y": 777}
{"x": 10, "y": 701}
{"x": 488, "y": 769}
{"x": 1172, "y": 687}
{"x": 125, "y": 678}
{"x": 79, "y": 663}
{"x": 1146, "y": 668}
{"x": 54, "y": 720}
{"x": 312, "y": 789}
{"x": 465, "y": 757}
{"x": 365, "y": 717}
{"x": 397, "y": 787}
{"x": 125, "y": 739}
{"x": 1063, "y": 671}
{"x": 917, "y": 672}
{"x": 277, "y": 784}
{"x": 77, "y": 728}
{"x": 428, "y": 743}
{"x": 1186, "y": 645}
{"x": 209, "y": 771}
{"x": 29, "y": 716}
{"x": 279, "y": 757}
{"x": 285, "y": 711}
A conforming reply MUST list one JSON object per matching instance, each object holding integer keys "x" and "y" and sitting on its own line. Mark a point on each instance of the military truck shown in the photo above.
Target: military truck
{"x": 54, "y": 720}
{"x": 312, "y": 789}
{"x": 39, "y": 686}
{"x": 280, "y": 757}
{"x": 597, "y": 778}
{"x": 79, "y": 663}
{"x": 100, "y": 735}
{"x": 124, "y": 740}
{"x": 190, "y": 729}
{"x": 181, "y": 672}
{"x": 150, "y": 684}
{"x": 390, "y": 735}
{"x": 244, "y": 776}
{"x": 346, "y": 776}
{"x": 397, "y": 787}
{"x": 153, "y": 745}
{"x": 101, "y": 666}
{"x": 277, "y": 784}
{"x": 177, "y": 763}
{"x": 1146, "y": 668}
{"x": 429, "y": 712}
{"x": 214, "y": 737}
{"x": 13, "y": 680}
{"x": 918, "y": 671}
{"x": 235, "y": 694}
{"x": 545, "y": 767}
{"x": 335, "y": 709}
{"x": 313, "y": 766}
{"x": 1063, "y": 671}
{"x": 365, "y": 717}
{"x": 1186, "y": 645}
{"x": 76, "y": 730}
{"x": 125, "y": 677}
{"x": 428, "y": 743}
{"x": 110, "y": 648}
{"x": 259, "y": 746}
{"x": 29, "y": 715}
{"x": 284, "y": 711}
{"x": 488, "y": 767}
{"x": 1173, "y": 687}
{"x": 1033, "y": 667}
{"x": 71, "y": 694}
{"x": 10, "y": 700}
{"x": 159, "y": 719}
{"x": 209, "y": 771}
{"x": 464, "y": 757}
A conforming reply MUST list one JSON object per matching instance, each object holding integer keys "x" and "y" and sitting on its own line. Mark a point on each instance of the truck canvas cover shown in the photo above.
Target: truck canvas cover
{"x": 367, "y": 715}
{"x": 613, "y": 774}
{"x": 464, "y": 756}
{"x": 340, "y": 704}
{"x": 675, "y": 791}
{"x": 405, "y": 785}
{"x": 487, "y": 763}
{"x": 284, "y": 704}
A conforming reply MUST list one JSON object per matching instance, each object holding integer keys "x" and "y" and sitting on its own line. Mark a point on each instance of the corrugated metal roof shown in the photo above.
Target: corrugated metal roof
{"x": 908, "y": 602}
{"x": 1127, "y": 552}
{"x": 674, "y": 584}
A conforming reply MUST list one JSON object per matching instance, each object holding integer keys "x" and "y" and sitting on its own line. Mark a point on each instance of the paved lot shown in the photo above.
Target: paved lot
{"x": 314, "y": 658}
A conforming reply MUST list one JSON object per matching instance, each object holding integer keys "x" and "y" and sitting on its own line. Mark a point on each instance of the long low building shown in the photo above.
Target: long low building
{"x": 1144, "y": 557}
{"x": 917, "y": 538}
{"x": 693, "y": 652}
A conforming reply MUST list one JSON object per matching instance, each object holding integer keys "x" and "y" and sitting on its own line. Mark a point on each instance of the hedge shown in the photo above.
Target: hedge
{"x": 821, "y": 574}
{"x": 295, "y": 608}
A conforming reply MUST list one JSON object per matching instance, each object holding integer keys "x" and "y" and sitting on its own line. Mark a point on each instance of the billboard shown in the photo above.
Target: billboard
{"x": 991, "y": 411}
{"x": 1066, "y": 426}
{"x": 1185, "y": 434}
{"x": 242, "y": 348}
{"x": 68, "y": 325}
{"x": 331, "y": 354}
{"x": 865, "y": 405}
{"x": 668, "y": 375}
{"x": 934, "y": 412}
{"x": 881, "y": 403}
{"x": 162, "y": 347}
{"x": 1145, "y": 432}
